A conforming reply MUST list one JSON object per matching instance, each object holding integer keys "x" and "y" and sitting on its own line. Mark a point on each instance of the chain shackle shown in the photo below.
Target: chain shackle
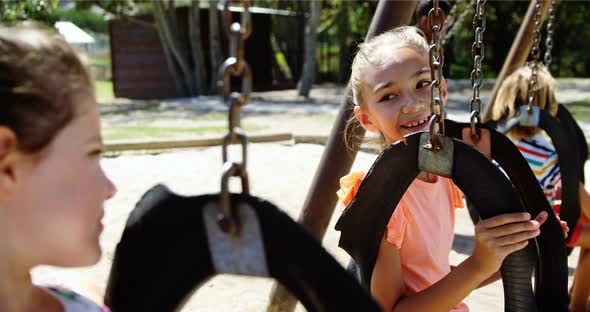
{"x": 474, "y": 120}
{"x": 478, "y": 54}
{"x": 436, "y": 60}
{"x": 228, "y": 222}
{"x": 535, "y": 52}
{"x": 550, "y": 30}
{"x": 245, "y": 22}
{"x": 234, "y": 66}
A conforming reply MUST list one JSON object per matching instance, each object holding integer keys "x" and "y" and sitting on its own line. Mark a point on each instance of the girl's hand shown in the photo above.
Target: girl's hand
{"x": 564, "y": 228}
{"x": 499, "y": 236}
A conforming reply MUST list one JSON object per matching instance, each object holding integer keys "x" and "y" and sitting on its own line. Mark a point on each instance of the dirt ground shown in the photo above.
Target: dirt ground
{"x": 280, "y": 172}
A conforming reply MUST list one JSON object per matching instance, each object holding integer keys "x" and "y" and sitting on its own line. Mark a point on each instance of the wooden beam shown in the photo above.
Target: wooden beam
{"x": 158, "y": 145}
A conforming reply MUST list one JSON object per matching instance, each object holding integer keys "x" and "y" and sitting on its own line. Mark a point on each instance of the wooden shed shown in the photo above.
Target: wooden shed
{"x": 139, "y": 67}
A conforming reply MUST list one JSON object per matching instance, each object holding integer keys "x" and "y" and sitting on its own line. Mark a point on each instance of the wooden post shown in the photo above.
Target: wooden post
{"x": 337, "y": 159}
{"x": 519, "y": 51}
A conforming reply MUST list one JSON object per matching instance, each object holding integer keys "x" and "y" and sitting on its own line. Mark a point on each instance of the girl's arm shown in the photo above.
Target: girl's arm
{"x": 494, "y": 277}
{"x": 387, "y": 286}
{"x": 495, "y": 238}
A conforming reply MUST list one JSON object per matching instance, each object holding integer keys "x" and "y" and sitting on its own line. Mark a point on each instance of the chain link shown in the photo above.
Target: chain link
{"x": 436, "y": 59}
{"x": 535, "y": 53}
{"x": 549, "y": 40}
{"x": 235, "y": 65}
{"x": 478, "y": 54}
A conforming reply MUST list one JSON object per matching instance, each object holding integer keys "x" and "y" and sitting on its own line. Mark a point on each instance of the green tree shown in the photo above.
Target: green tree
{"x": 44, "y": 11}
{"x": 85, "y": 19}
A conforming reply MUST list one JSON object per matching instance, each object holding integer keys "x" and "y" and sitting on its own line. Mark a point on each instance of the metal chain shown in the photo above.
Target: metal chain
{"x": 549, "y": 40}
{"x": 535, "y": 53}
{"x": 436, "y": 58}
{"x": 235, "y": 65}
{"x": 478, "y": 54}
{"x": 457, "y": 24}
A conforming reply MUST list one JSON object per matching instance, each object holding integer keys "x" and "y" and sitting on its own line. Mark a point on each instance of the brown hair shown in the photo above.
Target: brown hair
{"x": 405, "y": 36}
{"x": 40, "y": 75}
{"x": 513, "y": 93}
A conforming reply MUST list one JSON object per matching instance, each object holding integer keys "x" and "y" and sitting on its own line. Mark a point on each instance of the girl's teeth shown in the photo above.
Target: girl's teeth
{"x": 416, "y": 123}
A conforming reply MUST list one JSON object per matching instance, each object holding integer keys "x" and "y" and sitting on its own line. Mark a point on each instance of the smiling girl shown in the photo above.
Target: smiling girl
{"x": 391, "y": 96}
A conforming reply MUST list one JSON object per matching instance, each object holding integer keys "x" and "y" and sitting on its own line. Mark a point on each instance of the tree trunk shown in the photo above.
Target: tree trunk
{"x": 194, "y": 25}
{"x": 311, "y": 38}
{"x": 170, "y": 61}
{"x": 164, "y": 22}
{"x": 214, "y": 44}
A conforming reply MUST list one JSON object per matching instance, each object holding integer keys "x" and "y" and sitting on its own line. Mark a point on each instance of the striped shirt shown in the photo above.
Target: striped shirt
{"x": 542, "y": 158}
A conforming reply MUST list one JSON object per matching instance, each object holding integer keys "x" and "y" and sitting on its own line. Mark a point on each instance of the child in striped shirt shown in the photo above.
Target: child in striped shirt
{"x": 541, "y": 156}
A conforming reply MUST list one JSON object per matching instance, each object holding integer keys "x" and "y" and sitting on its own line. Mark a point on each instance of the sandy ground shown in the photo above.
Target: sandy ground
{"x": 279, "y": 172}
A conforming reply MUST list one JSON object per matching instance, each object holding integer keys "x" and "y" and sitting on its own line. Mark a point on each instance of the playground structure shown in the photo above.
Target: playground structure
{"x": 336, "y": 160}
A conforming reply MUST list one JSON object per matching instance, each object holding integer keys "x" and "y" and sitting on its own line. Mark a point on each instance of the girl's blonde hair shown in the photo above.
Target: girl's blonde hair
{"x": 513, "y": 93}
{"x": 401, "y": 37}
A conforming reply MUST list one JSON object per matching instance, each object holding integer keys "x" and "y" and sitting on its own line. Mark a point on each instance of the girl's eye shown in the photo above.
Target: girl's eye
{"x": 423, "y": 84}
{"x": 387, "y": 97}
{"x": 96, "y": 152}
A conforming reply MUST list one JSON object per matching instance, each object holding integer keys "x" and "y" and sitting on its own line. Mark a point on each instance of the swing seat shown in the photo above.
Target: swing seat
{"x": 364, "y": 221}
{"x": 569, "y": 164}
{"x": 167, "y": 251}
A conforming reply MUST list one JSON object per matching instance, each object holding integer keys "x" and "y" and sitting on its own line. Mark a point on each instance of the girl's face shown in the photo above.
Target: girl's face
{"x": 396, "y": 93}
{"x": 60, "y": 194}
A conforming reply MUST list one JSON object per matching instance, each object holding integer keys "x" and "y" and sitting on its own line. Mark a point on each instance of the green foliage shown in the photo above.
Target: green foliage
{"x": 85, "y": 19}
{"x": 119, "y": 8}
{"x": 44, "y": 11}
{"x": 571, "y": 39}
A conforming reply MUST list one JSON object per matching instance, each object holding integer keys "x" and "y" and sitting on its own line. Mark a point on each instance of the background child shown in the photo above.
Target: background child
{"x": 52, "y": 187}
{"x": 391, "y": 94}
{"x": 542, "y": 158}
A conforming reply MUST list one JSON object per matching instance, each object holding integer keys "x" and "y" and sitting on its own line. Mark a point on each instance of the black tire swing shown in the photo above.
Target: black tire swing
{"x": 552, "y": 277}
{"x": 172, "y": 244}
{"x": 563, "y": 114}
{"x": 364, "y": 221}
{"x": 569, "y": 161}
{"x": 386, "y": 182}
{"x": 574, "y": 131}
{"x": 559, "y": 130}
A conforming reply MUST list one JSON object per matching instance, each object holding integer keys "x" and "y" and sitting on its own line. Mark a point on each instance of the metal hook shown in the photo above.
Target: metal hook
{"x": 228, "y": 221}
{"x": 474, "y": 119}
